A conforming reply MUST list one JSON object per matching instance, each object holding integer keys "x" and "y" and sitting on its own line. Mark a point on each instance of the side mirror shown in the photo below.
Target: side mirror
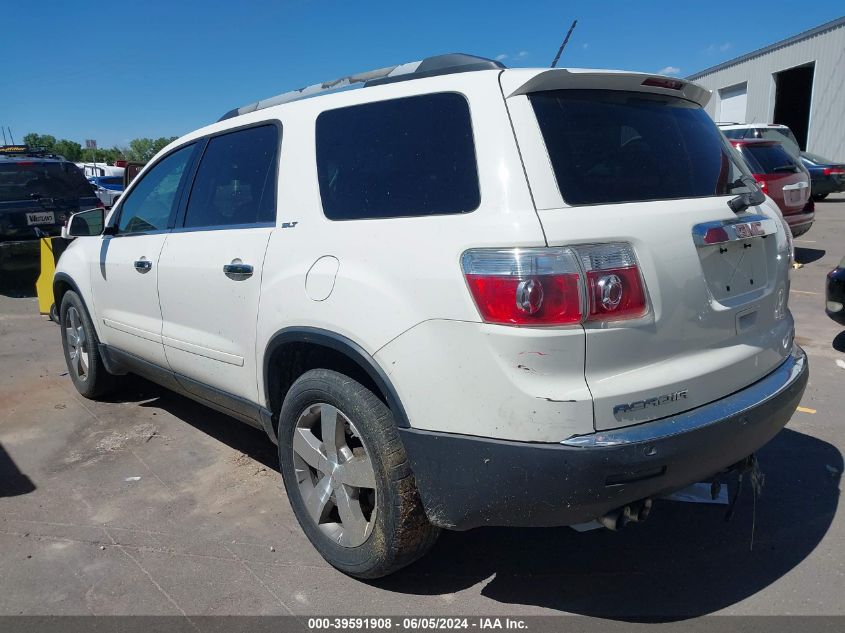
{"x": 84, "y": 224}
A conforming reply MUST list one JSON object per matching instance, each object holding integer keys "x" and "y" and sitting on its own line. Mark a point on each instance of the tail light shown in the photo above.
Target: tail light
{"x": 100, "y": 204}
{"x": 833, "y": 171}
{"x": 532, "y": 286}
{"x": 614, "y": 285}
{"x": 555, "y": 286}
{"x": 761, "y": 180}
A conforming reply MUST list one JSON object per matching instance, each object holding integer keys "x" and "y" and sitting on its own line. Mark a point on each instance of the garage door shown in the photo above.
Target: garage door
{"x": 732, "y": 102}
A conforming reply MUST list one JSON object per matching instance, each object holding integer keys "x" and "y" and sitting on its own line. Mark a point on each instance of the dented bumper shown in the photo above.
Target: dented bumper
{"x": 466, "y": 482}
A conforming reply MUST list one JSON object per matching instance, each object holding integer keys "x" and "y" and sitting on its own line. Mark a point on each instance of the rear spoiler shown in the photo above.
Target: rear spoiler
{"x": 521, "y": 82}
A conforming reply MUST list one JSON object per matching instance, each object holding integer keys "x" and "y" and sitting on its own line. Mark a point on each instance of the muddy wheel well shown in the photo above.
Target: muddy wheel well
{"x": 290, "y": 360}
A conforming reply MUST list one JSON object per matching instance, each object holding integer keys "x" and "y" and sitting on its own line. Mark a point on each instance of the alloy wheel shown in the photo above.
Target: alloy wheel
{"x": 77, "y": 343}
{"x": 335, "y": 475}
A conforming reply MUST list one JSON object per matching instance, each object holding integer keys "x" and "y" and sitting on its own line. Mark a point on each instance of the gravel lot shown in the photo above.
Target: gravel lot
{"x": 151, "y": 504}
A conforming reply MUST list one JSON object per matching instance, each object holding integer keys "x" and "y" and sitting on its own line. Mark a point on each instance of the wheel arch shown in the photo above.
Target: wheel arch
{"x": 62, "y": 282}
{"x": 294, "y": 350}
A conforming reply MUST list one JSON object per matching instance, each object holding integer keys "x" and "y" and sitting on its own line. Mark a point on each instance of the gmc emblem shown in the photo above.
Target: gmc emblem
{"x": 749, "y": 229}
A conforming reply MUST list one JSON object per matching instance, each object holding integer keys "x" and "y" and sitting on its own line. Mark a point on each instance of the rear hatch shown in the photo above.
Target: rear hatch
{"x": 644, "y": 165}
{"x": 780, "y": 175}
{"x": 40, "y": 195}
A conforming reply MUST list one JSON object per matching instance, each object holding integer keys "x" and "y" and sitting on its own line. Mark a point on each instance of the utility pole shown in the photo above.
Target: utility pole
{"x": 565, "y": 40}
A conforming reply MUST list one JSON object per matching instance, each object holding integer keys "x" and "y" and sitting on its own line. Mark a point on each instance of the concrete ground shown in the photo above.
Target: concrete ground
{"x": 151, "y": 504}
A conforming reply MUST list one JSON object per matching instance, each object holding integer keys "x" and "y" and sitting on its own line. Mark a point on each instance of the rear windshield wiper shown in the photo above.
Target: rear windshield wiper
{"x": 745, "y": 200}
{"x": 792, "y": 168}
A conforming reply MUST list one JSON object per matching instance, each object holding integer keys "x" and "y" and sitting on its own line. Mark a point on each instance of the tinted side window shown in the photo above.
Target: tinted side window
{"x": 149, "y": 205}
{"x": 404, "y": 157}
{"x": 236, "y": 179}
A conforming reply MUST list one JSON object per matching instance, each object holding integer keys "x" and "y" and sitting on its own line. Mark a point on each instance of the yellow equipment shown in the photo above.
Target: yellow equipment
{"x": 51, "y": 249}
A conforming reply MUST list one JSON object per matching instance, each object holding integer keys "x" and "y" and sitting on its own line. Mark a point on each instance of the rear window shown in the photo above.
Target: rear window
{"x": 26, "y": 180}
{"x": 403, "y": 157}
{"x": 769, "y": 159}
{"x": 612, "y": 146}
{"x": 781, "y": 135}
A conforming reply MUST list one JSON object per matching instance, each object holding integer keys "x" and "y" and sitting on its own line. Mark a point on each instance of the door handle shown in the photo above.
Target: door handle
{"x": 143, "y": 265}
{"x": 237, "y": 270}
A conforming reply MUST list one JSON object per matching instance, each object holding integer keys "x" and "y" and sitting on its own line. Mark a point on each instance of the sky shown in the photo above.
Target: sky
{"x": 120, "y": 70}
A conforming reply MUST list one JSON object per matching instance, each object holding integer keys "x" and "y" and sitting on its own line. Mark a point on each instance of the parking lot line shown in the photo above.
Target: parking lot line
{"x": 806, "y": 410}
{"x": 804, "y": 292}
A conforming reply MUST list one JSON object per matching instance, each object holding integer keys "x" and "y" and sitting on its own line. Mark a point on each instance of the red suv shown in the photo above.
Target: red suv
{"x": 782, "y": 179}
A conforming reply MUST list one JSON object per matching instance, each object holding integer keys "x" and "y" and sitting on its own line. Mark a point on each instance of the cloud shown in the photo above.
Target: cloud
{"x": 522, "y": 54}
{"x": 585, "y": 46}
{"x": 669, "y": 70}
{"x": 501, "y": 56}
{"x": 718, "y": 48}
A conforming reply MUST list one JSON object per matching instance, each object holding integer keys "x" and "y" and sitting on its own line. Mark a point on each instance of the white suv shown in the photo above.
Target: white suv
{"x": 460, "y": 296}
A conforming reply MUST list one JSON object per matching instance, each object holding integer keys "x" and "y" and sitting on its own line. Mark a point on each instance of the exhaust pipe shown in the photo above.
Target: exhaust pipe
{"x": 633, "y": 513}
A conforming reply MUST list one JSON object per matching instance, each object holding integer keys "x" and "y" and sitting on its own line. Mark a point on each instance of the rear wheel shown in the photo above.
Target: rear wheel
{"x": 348, "y": 478}
{"x": 81, "y": 348}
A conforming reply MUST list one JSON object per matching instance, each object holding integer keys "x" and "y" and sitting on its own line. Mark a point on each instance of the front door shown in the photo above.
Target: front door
{"x": 210, "y": 268}
{"x": 125, "y": 275}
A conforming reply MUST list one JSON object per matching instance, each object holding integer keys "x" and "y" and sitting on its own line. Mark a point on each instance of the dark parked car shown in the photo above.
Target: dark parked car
{"x": 782, "y": 178}
{"x": 827, "y": 176}
{"x": 835, "y": 291}
{"x": 38, "y": 192}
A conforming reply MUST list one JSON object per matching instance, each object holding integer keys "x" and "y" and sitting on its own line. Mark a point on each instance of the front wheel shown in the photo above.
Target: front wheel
{"x": 81, "y": 348}
{"x": 347, "y": 476}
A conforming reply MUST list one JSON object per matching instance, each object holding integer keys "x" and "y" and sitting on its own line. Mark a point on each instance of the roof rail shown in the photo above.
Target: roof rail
{"x": 428, "y": 67}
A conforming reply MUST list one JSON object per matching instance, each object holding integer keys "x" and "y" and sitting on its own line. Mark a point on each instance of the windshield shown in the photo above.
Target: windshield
{"x": 612, "y": 146}
{"x": 781, "y": 135}
{"x": 769, "y": 159}
{"x": 819, "y": 160}
{"x": 26, "y": 180}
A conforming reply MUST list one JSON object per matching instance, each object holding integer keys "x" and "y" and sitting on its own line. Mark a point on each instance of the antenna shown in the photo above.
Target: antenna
{"x": 565, "y": 41}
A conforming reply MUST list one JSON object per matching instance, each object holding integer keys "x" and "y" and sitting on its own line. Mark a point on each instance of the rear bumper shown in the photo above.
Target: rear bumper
{"x": 20, "y": 255}
{"x": 467, "y": 482}
{"x": 800, "y": 223}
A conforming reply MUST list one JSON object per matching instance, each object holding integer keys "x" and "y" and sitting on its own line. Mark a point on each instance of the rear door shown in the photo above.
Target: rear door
{"x": 651, "y": 170}
{"x": 210, "y": 268}
{"x": 124, "y": 279}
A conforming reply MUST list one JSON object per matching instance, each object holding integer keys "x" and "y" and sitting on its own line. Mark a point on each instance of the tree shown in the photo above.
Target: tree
{"x": 71, "y": 150}
{"x": 143, "y": 149}
{"x": 40, "y": 140}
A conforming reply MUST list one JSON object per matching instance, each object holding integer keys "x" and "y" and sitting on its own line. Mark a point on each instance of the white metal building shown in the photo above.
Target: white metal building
{"x": 799, "y": 82}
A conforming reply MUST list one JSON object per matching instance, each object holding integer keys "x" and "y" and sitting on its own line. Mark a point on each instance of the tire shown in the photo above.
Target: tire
{"x": 367, "y": 531}
{"x": 80, "y": 345}
{"x": 54, "y": 314}
{"x": 819, "y": 196}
